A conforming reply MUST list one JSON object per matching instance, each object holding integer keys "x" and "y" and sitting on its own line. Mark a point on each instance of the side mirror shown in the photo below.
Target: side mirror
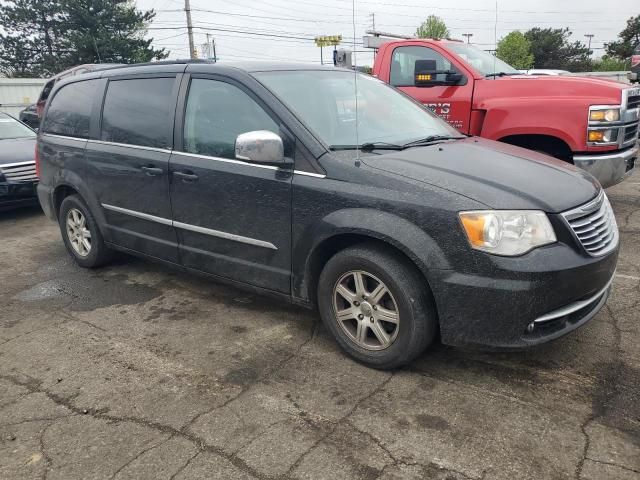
{"x": 426, "y": 75}
{"x": 261, "y": 146}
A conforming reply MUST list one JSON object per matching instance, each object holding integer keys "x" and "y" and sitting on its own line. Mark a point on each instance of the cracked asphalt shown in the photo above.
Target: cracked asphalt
{"x": 135, "y": 371}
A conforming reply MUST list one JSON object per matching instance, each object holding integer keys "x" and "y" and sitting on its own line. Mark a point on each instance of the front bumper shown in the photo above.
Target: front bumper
{"x": 608, "y": 168}
{"x": 17, "y": 194}
{"x": 524, "y": 301}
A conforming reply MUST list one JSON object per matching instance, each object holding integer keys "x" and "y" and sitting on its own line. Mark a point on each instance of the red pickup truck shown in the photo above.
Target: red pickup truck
{"x": 589, "y": 122}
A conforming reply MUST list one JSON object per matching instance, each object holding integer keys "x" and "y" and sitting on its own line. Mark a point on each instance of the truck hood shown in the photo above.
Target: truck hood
{"x": 595, "y": 91}
{"x": 15, "y": 150}
{"x": 495, "y": 174}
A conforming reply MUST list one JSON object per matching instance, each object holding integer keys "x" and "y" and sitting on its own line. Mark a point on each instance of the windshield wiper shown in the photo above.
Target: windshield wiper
{"x": 501, "y": 74}
{"x": 428, "y": 140}
{"x": 369, "y": 146}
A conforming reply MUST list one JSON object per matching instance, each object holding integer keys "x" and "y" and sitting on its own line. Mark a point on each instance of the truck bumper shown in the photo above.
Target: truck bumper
{"x": 609, "y": 168}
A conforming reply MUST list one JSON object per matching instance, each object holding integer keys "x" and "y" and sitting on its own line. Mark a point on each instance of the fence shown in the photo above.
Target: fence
{"x": 18, "y": 93}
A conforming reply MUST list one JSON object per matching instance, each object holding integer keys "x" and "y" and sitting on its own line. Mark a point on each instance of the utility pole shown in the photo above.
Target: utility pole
{"x": 192, "y": 48}
{"x": 468, "y": 35}
{"x": 589, "y": 36}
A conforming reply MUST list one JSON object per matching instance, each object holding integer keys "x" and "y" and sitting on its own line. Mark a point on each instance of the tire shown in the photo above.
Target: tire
{"x": 73, "y": 209}
{"x": 408, "y": 296}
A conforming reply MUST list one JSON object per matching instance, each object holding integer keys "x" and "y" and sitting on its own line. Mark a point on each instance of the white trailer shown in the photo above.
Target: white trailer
{"x": 18, "y": 93}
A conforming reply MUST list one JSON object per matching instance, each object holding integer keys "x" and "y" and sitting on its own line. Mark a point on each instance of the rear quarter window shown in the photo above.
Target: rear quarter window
{"x": 139, "y": 112}
{"x": 69, "y": 113}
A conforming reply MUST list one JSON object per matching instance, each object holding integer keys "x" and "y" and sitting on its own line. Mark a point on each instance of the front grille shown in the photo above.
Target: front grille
{"x": 630, "y": 132}
{"x": 594, "y": 225}
{"x": 633, "y": 102}
{"x": 24, "y": 171}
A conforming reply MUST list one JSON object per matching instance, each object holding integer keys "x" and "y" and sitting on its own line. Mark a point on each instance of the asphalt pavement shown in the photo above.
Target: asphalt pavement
{"x": 137, "y": 371}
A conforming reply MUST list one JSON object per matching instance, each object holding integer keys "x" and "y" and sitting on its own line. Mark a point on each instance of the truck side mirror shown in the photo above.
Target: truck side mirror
{"x": 426, "y": 75}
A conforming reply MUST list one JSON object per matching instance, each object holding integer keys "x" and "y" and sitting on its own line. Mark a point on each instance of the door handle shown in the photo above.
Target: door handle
{"x": 186, "y": 176}
{"x": 152, "y": 171}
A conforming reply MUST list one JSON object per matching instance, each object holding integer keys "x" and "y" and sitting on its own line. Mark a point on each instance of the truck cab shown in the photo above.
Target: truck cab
{"x": 589, "y": 122}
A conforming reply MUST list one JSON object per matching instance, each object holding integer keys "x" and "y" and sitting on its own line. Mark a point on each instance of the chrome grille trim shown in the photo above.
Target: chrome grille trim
{"x": 594, "y": 226}
{"x": 19, "y": 172}
{"x": 575, "y": 306}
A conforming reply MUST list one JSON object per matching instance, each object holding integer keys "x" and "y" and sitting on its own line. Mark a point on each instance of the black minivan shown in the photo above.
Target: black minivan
{"x": 330, "y": 189}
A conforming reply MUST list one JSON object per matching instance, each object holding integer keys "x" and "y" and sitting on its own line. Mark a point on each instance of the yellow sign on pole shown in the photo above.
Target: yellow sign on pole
{"x": 328, "y": 40}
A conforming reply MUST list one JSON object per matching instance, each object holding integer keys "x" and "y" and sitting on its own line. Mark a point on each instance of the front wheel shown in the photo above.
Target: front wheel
{"x": 377, "y": 306}
{"x": 81, "y": 234}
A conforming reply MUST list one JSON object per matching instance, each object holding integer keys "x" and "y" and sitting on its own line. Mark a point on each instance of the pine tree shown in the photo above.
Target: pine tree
{"x": 44, "y": 37}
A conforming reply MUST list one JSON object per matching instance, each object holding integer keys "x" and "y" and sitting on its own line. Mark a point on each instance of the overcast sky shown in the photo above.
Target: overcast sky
{"x": 284, "y": 29}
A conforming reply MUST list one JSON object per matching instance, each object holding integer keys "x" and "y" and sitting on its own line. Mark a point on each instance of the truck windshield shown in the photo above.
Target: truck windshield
{"x": 483, "y": 62}
{"x": 325, "y": 101}
{"x": 11, "y": 128}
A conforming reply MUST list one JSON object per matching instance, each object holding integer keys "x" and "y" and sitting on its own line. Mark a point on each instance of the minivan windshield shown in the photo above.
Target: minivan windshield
{"x": 325, "y": 101}
{"x": 11, "y": 128}
{"x": 484, "y": 63}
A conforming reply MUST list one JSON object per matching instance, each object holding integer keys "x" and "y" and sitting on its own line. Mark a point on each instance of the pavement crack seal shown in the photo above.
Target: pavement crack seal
{"x": 186, "y": 464}
{"x": 142, "y": 452}
{"x": 276, "y": 368}
{"x": 602, "y": 462}
{"x": 344, "y": 418}
{"x": 587, "y": 444}
{"x": 34, "y": 386}
{"x": 43, "y": 450}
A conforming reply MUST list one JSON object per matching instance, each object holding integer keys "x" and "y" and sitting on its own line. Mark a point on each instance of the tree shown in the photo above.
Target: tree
{"x": 551, "y": 48}
{"x": 629, "y": 39}
{"x": 610, "y": 64}
{"x": 515, "y": 49}
{"x": 433, "y": 27}
{"x": 44, "y": 37}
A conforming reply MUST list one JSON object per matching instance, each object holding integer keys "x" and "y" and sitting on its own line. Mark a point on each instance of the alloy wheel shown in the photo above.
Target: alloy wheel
{"x": 366, "y": 310}
{"x": 77, "y": 232}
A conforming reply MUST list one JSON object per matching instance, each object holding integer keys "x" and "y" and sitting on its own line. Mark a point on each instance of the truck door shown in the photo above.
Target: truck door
{"x": 451, "y": 103}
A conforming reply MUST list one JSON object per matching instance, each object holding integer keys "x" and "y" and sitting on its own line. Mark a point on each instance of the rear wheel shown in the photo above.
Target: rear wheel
{"x": 377, "y": 306}
{"x": 81, "y": 234}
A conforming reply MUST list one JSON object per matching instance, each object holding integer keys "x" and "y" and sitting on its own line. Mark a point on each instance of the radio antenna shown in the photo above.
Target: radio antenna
{"x": 355, "y": 78}
{"x": 495, "y": 40}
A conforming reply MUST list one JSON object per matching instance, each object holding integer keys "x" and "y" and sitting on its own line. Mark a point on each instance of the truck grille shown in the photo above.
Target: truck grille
{"x": 633, "y": 102}
{"x": 17, "y": 172}
{"x": 630, "y": 132}
{"x": 594, "y": 225}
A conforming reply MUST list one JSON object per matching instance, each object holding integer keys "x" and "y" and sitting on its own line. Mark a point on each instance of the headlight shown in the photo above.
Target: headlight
{"x": 609, "y": 135}
{"x": 507, "y": 232}
{"x": 608, "y": 115}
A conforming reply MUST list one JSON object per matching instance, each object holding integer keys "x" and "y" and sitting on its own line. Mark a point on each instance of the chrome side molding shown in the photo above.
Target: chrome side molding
{"x": 192, "y": 228}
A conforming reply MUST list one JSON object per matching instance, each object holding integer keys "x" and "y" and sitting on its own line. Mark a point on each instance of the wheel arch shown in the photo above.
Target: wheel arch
{"x": 336, "y": 232}
{"x": 72, "y": 184}
{"x": 547, "y": 143}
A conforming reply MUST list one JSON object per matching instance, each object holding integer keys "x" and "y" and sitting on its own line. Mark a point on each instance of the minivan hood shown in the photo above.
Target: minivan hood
{"x": 15, "y": 150}
{"x": 495, "y": 174}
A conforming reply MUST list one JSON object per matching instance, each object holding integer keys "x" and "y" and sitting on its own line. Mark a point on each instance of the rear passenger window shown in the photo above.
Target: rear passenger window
{"x": 217, "y": 112}
{"x": 139, "y": 112}
{"x": 70, "y": 110}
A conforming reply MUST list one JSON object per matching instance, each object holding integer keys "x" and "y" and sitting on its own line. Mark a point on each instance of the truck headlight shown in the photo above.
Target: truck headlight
{"x": 603, "y": 135}
{"x": 507, "y": 232}
{"x": 604, "y": 115}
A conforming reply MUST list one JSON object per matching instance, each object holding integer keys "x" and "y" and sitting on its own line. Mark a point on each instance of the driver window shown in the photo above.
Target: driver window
{"x": 217, "y": 112}
{"x": 403, "y": 64}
